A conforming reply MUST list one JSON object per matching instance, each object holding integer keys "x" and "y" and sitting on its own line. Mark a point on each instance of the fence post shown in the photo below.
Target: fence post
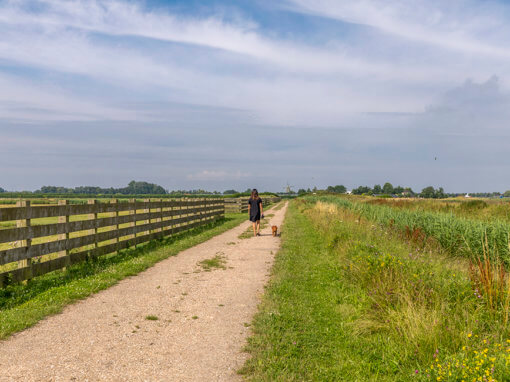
{"x": 26, "y": 263}
{"x": 116, "y": 215}
{"x": 93, "y": 216}
{"x": 160, "y": 219}
{"x": 133, "y": 212}
{"x": 147, "y": 211}
{"x": 65, "y": 236}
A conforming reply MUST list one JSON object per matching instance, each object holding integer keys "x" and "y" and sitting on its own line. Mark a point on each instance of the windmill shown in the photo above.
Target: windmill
{"x": 288, "y": 189}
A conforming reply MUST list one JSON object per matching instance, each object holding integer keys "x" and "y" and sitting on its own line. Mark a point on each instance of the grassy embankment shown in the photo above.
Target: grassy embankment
{"x": 350, "y": 300}
{"x": 21, "y": 306}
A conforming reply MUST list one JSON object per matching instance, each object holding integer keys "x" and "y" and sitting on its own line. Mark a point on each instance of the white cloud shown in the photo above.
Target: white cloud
{"x": 275, "y": 81}
{"x": 466, "y": 26}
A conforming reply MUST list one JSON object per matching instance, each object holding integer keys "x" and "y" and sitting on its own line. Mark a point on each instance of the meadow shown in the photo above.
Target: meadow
{"x": 364, "y": 290}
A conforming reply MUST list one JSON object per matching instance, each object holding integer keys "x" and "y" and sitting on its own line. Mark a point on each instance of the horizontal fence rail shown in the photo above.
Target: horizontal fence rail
{"x": 35, "y": 240}
{"x": 240, "y": 205}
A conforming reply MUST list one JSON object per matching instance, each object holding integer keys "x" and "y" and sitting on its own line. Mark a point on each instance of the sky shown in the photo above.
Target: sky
{"x": 223, "y": 94}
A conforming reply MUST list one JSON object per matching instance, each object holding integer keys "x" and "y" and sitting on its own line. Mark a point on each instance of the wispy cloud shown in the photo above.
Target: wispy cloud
{"x": 467, "y": 26}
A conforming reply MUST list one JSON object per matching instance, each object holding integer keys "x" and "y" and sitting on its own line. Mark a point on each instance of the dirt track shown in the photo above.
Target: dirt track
{"x": 201, "y": 328}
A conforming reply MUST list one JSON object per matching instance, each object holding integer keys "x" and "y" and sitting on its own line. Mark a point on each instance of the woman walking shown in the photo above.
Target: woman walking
{"x": 255, "y": 211}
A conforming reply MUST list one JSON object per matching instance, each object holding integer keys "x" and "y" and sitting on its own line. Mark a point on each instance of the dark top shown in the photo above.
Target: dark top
{"x": 255, "y": 208}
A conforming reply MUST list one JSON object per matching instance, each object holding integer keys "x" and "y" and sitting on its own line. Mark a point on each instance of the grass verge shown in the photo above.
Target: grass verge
{"x": 21, "y": 306}
{"x": 352, "y": 301}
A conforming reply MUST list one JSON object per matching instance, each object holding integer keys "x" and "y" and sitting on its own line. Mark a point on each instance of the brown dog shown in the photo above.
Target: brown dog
{"x": 275, "y": 230}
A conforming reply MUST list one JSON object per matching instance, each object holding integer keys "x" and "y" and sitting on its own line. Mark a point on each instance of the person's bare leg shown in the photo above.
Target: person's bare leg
{"x": 258, "y": 227}
{"x": 254, "y": 229}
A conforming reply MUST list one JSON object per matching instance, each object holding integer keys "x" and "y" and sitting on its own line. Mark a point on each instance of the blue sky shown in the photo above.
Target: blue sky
{"x": 234, "y": 94}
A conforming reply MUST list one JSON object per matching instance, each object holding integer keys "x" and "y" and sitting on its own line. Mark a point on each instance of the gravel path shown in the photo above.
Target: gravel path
{"x": 201, "y": 328}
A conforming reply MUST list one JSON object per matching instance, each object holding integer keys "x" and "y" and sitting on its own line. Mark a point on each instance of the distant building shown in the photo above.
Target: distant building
{"x": 467, "y": 196}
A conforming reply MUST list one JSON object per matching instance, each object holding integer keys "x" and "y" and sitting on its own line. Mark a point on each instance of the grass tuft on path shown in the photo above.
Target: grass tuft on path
{"x": 21, "y": 306}
{"x": 216, "y": 262}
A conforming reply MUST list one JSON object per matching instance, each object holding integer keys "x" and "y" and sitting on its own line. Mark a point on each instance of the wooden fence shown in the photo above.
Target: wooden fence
{"x": 35, "y": 240}
{"x": 240, "y": 205}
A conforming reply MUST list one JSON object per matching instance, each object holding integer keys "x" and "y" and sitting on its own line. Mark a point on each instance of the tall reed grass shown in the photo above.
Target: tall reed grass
{"x": 458, "y": 235}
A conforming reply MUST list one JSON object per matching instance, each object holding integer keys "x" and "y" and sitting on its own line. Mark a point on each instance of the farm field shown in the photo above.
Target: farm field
{"x": 474, "y": 208}
{"x": 354, "y": 296}
{"x": 464, "y": 235}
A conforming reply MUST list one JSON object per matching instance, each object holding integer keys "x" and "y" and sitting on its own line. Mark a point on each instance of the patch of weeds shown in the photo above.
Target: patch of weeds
{"x": 231, "y": 243}
{"x": 177, "y": 311}
{"x": 151, "y": 317}
{"x": 221, "y": 305}
{"x": 194, "y": 317}
{"x": 217, "y": 262}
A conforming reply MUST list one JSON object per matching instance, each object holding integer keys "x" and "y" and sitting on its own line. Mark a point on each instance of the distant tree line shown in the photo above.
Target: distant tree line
{"x": 133, "y": 188}
{"x": 2, "y": 190}
{"x": 386, "y": 189}
{"x": 193, "y": 192}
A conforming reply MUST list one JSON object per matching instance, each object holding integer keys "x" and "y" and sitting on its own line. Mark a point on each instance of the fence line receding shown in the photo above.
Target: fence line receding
{"x": 35, "y": 240}
{"x": 238, "y": 205}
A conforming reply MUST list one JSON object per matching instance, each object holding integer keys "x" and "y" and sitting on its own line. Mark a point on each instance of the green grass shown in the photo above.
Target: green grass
{"x": 216, "y": 262}
{"x": 350, "y": 300}
{"x": 21, "y": 306}
{"x": 151, "y": 317}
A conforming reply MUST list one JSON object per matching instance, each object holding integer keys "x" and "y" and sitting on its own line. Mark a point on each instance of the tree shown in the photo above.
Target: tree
{"x": 507, "y": 194}
{"x": 361, "y": 190}
{"x": 143, "y": 188}
{"x": 2, "y": 190}
{"x": 301, "y": 191}
{"x": 398, "y": 190}
{"x": 408, "y": 191}
{"x": 230, "y": 192}
{"x": 377, "y": 189}
{"x": 339, "y": 189}
{"x": 428, "y": 192}
{"x": 387, "y": 188}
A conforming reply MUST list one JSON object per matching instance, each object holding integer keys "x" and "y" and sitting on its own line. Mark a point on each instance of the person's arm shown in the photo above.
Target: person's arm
{"x": 261, "y": 210}
{"x": 249, "y": 207}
